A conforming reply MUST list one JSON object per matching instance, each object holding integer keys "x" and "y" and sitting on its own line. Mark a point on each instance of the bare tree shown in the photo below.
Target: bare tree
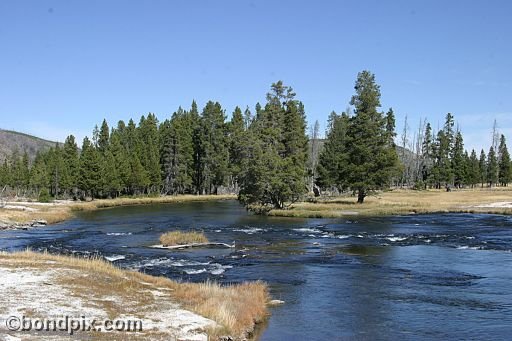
{"x": 314, "y": 151}
{"x": 495, "y": 135}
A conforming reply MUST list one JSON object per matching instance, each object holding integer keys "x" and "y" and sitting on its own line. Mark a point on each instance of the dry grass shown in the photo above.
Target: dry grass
{"x": 105, "y": 203}
{"x": 51, "y": 213}
{"x": 236, "y": 308}
{"x": 179, "y": 238}
{"x": 54, "y": 213}
{"x": 404, "y": 202}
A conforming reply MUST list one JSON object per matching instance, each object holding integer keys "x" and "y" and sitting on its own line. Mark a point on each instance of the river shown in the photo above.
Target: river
{"x": 443, "y": 276}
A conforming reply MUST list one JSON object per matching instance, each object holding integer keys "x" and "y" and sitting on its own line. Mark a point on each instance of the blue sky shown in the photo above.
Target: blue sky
{"x": 65, "y": 65}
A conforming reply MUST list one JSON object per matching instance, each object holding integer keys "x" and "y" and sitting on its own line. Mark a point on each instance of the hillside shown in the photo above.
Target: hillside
{"x": 11, "y": 141}
{"x": 405, "y": 157}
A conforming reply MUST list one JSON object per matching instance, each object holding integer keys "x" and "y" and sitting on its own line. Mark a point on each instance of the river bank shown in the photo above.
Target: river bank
{"x": 26, "y": 214}
{"x": 400, "y": 202}
{"x": 16, "y": 214}
{"x": 44, "y": 286}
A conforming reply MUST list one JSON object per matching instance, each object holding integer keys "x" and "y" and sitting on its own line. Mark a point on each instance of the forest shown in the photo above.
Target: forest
{"x": 265, "y": 155}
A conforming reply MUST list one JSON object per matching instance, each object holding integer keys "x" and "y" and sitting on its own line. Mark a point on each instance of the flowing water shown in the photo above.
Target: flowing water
{"x": 445, "y": 276}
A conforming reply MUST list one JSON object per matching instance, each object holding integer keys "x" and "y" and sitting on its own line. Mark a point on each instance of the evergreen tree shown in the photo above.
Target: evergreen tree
{"x": 149, "y": 153}
{"x": 57, "y": 170}
{"x": 247, "y": 118}
{"x": 24, "y": 171}
{"x": 121, "y": 159}
{"x": 371, "y": 158}
{"x": 474, "y": 176}
{"x": 111, "y": 183}
{"x": 274, "y": 167}
{"x": 482, "y": 165}
{"x": 39, "y": 178}
{"x": 177, "y": 153}
{"x": 89, "y": 180}
{"x": 236, "y": 135}
{"x": 195, "y": 124}
{"x": 72, "y": 162}
{"x": 505, "y": 171}
{"x": 214, "y": 154}
{"x": 5, "y": 175}
{"x": 458, "y": 161}
{"x": 445, "y": 152}
{"x": 427, "y": 155}
{"x": 492, "y": 167}
{"x": 103, "y": 137}
{"x": 332, "y": 161}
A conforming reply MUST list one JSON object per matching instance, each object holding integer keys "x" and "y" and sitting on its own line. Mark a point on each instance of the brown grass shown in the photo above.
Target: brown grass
{"x": 179, "y": 238}
{"x": 52, "y": 214}
{"x": 404, "y": 202}
{"x": 248, "y": 300}
{"x": 105, "y": 203}
{"x": 237, "y": 308}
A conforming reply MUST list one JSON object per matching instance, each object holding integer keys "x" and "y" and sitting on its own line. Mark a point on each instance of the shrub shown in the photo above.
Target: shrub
{"x": 44, "y": 195}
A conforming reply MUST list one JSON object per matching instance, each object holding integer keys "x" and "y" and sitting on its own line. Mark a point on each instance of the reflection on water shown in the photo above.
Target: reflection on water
{"x": 427, "y": 277}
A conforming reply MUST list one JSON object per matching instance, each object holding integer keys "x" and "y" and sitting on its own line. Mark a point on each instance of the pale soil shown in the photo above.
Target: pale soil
{"x": 44, "y": 286}
{"x": 39, "y": 292}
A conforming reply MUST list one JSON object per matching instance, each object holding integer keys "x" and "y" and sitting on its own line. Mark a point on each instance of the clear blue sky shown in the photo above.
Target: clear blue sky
{"x": 65, "y": 65}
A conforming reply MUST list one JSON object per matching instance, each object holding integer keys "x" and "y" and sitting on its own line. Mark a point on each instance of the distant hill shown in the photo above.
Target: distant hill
{"x": 11, "y": 141}
{"x": 405, "y": 155}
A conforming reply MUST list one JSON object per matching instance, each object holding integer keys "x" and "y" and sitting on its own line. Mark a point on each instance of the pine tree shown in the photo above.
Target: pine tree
{"x": 505, "y": 171}
{"x": 39, "y": 178}
{"x": 72, "y": 162}
{"x": 89, "y": 181}
{"x": 332, "y": 161}
{"x": 149, "y": 153}
{"x": 458, "y": 161}
{"x": 295, "y": 155}
{"x": 58, "y": 171}
{"x": 111, "y": 179}
{"x": 427, "y": 155}
{"x": 24, "y": 171}
{"x": 138, "y": 178}
{"x": 274, "y": 164}
{"x": 5, "y": 175}
{"x": 482, "y": 165}
{"x": 195, "y": 124}
{"x": 247, "y": 118}
{"x": 103, "y": 137}
{"x": 371, "y": 159}
{"x": 121, "y": 160}
{"x": 474, "y": 176}
{"x": 445, "y": 145}
{"x": 177, "y": 153}
{"x": 236, "y": 130}
{"x": 492, "y": 167}
{"x": 214, "y": 154}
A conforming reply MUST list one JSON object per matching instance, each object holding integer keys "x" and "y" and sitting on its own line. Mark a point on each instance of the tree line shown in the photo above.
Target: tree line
{"x": 263, "y": 156}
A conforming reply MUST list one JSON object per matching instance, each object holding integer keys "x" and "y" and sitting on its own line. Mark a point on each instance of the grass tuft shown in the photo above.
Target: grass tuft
{"x": 179, "y": 238}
